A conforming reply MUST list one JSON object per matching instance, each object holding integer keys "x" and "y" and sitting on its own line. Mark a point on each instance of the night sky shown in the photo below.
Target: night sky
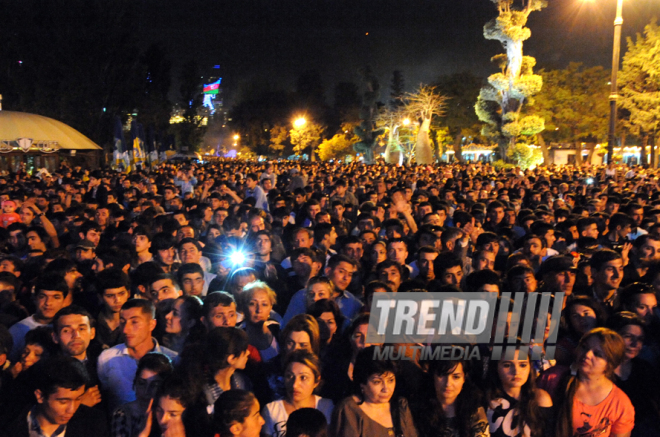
{"x": 275, "y": 40}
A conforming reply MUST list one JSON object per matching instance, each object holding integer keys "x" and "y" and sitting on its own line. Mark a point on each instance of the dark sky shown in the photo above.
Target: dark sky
{"x": 275, "y": 40}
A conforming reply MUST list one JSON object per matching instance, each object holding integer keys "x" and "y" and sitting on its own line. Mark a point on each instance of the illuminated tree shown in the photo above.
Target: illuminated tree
{"x": 339, "y": 145}
{"x": 639, "y": 82}
{"x": 278, "y": 136}
{"x": 307, "y": 135}
{"x": 391, "y": 119}
{"x": 425, "y": 104}
{"x": 500, "y": 102}
{"x": 573, "y": 102}
{"x": 366, "y": 131}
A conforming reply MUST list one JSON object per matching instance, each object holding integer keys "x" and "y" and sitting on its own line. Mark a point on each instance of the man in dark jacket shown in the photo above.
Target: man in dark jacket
{"x": 60, "y": 386}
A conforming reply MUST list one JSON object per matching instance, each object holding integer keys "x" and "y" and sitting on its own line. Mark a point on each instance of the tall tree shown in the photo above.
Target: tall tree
{"x": 366, "y": 131}
{"x": 347, "y": 102}
{"x": 397, "y": 90}
{"x": 639, "y": 82}
{"x": 190, "y": 132}
{"x": 278, "y": 136}
{"x": 339, "y": 145}
{"x": 573, "y": 103}
{"x": 501, "y": 101}
{"x": 306, "y": 136}
{"x": 461, "y": 91}
{"x": 425, "y": 104}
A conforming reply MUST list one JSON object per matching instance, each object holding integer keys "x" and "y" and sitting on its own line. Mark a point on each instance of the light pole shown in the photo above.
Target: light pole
{"x": 618, "y": 21}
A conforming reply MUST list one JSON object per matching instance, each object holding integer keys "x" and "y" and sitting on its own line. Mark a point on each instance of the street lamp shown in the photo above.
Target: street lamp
{"x": 618, "y": 21}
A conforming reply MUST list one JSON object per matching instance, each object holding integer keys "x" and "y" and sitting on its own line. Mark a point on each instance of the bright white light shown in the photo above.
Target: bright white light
{"x": 237, "y": 258}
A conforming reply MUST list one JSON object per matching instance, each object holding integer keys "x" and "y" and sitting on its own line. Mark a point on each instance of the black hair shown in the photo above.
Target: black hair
{"x": 113, "y": 277}
{"x": 56, "y": 372}
{"x": 146, "y": 306}
{"x": 68, "y": 311}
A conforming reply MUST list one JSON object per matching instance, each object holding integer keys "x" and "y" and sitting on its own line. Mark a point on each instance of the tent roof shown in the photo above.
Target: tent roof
{"x": 15, "y": 125}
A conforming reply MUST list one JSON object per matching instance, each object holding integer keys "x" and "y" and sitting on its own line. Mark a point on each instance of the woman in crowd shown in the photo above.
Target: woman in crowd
{"x": 213, "y": 367}
{"x": 130, "y": 419}
{"x": 307, "y": 422}
{"x": 330, "y": 320}
{"x": 591, "y": 403}
{"x": 239, "y": 279}
{"x": 256, "y": 302}
{"x": 236, "y": 414}
{"x": 516, "y": 408}
{"x": 302, "y": 376}
{"x": 635, "y": 376}
{"x": 452, "y": 409}
{"x": 168, "y": 414}
{"x": 373, "y": 410}
{"x": 183, "y": 323}
{"x": 581, "y": 315}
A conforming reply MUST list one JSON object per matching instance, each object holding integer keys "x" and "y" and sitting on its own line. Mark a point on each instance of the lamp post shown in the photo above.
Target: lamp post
{"x": 618, "y": 21}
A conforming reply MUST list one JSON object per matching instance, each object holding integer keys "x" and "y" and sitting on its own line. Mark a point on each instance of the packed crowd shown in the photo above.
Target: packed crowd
{"x": 232, "y": 299}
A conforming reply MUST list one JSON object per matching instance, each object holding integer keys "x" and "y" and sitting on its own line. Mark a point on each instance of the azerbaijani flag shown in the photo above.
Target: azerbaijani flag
{"x": 212, "y": 88}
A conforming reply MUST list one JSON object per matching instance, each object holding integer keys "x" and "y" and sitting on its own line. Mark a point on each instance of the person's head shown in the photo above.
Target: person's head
{"x": 340, "y": 271}
{"x": 448, "y": 269}
{"x": 378, "y": 252}
{"x": 606, "y": 269}
{"x": 164, "y": 286}
{"x": 588, "y": 227}
{"x": 50, "y": 292}
{"x": 319, "y": 287}
{"x": 495, "y": 212}
{"x": 329, "y": 317}
{"x": 239, "y": 279}
{"x": 236, "y": 413}
{"x": 91, "y": 231}
{"x": 186, "y": 312}
{"x": 38, "y": 345}
{"x": 483, "y": 281}
{"x": 162, "y": 246}
{"x": 620, "y": 224}
{"x": 37, "y": 239}
{"x": 558, "y": 273}
{"x": 73, "y": 330}
{"x": 256, "y": 302}
{"x": 59, "y": 386}
{"x": 190, "y": 251}
{"x": 483, "y": 260}
{"x": 191, "y": 278}
{"x": 219, "y": 310}
{"x": 425, "y": 257}
{"x": 397, "y": 250}
{"x": 631, "y": 328}
{"x": 226, "y": 347}
{"x": 172, "y": 399}
{"x": 451, "y": 381}
{"x": 301, "y": 333}
{"x": 521, "y": 279}
{"x": 302, "y": 375}
{"x": 640, "y": 299}
{"x": 114, "y": 287}
{"x": 11, "y": 264}
{"x": 599, "y": 352}
{"x": 375, "y": 380}
{"x": 307, "y": 422}
{"x": 357, "y": 333}
{"x": 152, "y": 370}
{"x": 646, "y": 250}
{"x": 489, "y": 241}
{"x": 581, "y": 315}
{"x": 302, "y": 237}
{"x": 137, "y": 320}
{"x": 392, "y": 273}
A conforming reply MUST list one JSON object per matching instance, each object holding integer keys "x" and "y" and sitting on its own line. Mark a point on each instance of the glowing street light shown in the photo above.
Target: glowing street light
{"x": 406, "y": 121}
{"x": 299, "y": 122}
{"x": 237, "y": 137}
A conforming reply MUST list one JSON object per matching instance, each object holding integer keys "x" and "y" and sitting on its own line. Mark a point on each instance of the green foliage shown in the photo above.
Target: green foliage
{"x": 366, "y": 131}
{"x": 525, "y": 156}
{"x": 639, "y": 82}
{"x": 338, "y": 146}
{"x": 499, "y": 104}
{"x": 574, "y": 103}
{"x": 278, "y": 136}
{"x": 306, "y": 136}
{"x": 502, "y": 164}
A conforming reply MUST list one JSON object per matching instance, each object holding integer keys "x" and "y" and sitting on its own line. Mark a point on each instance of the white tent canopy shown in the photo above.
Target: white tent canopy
{"x": 31, "y": 132}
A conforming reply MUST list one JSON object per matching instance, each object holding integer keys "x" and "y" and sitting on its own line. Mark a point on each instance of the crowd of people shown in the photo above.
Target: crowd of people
{"x": 232, "y": 298}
